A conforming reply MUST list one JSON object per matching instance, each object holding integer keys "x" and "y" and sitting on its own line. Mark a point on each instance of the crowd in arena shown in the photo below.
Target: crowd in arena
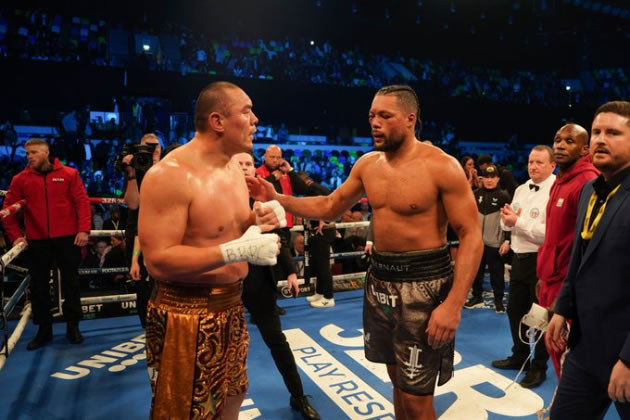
{"x": 37, "y": 35}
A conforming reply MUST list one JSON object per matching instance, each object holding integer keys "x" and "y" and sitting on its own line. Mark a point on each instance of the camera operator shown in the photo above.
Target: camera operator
{"x": 135, "y": 160}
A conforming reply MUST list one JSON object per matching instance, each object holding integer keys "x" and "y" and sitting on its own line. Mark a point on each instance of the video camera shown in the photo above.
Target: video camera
{"x": 142, "y": 156}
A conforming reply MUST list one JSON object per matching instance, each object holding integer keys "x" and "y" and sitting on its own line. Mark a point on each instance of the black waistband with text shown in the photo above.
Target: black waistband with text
{"x": 411, "y": 266}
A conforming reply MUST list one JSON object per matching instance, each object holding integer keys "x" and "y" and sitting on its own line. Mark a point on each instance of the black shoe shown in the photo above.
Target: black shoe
{"x": 281, "y": 310}
{"x": 73, "y": 333}
{"x": 305, "y": 408}
{"x": 509, "y": 363}
{"x": 474, "y": 302}
{"x": 44, "y": 335}
{"x": 498, "y": 307}
{"x": 533, "y": 378}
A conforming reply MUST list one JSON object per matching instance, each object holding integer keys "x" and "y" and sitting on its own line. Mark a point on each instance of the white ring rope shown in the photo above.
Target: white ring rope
{"x": 16, "y": 334}
{"x": 13, "y": 208}
{"x": 348, "y": 276}
{"x": 106, "y": 233}
{"x": 112, "y": 270}
{"x": 345, "y": 225}
{"x": 17, "y": 295}
{"x": 106, "y": 200}
{"x": 12, "y": 253}
{"x": 17, "y": 268}
{"x": 107, "y": 299}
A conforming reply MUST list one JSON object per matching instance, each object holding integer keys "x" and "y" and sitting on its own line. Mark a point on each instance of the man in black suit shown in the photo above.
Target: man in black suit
{"x": 595, "y": 295}
{"x": 259, "y": 297}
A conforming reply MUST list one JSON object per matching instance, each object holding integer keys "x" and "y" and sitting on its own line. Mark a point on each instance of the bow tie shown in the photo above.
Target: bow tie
{"x": 534, "y": 187}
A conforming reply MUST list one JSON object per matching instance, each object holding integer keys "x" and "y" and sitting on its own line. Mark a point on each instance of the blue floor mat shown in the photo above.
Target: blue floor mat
{"x": 106, "y": 377}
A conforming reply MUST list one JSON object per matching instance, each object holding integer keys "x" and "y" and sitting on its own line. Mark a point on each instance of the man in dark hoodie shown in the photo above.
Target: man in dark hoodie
{"x": 570, "y": 152}
{"x": 507, "y": 181}
{"x": 490, "y": 200}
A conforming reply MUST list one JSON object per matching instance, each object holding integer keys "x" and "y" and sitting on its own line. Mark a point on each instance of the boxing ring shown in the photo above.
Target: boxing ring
{"x": 107, "y": 379}
{"x": 347, "y": 281}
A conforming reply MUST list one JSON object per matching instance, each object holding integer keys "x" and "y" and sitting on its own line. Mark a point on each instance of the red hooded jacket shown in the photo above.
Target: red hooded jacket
{"x": 56, "y": 203}
{"x": 555, "y": 252}
{"x": 285, "y": 182}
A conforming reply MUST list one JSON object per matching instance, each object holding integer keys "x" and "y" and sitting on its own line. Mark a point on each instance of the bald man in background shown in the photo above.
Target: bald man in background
{"x": 285, "y": 181}
{"x": 280, "y": 173}
{"x": 570, "y": 152}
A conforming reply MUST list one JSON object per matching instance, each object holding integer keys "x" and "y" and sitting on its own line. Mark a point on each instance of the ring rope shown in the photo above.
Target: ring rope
{"x": 11, "y": 254}
{"x": 16, "y": 334}
{"x": 348, "y": 276}
{"x": 17, "y": 295}
{"x": 17, "y": 268}
{"x": 106, "y": 233}
{"x": 106, "y": 200}
{"x": 7, "y": 309}
{"x": 99, "y": 270}
{"x": 108, "y": 299}
{"x": 13, "y": 208}
{"x": 345, "y": 225}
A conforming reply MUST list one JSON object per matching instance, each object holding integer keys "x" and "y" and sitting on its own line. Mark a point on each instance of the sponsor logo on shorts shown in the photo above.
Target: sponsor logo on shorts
{"x": 413, "y": 365}
{"x": 384, "y": 298}
{"x": 391, "y": 267}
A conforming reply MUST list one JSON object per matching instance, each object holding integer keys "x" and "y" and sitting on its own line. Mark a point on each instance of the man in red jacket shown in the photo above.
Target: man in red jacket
{"x": 570, "y": 152}
{"x": 280, "y": 173}
{"x": 286, "y": 181}
{"x": 57, "y": 223}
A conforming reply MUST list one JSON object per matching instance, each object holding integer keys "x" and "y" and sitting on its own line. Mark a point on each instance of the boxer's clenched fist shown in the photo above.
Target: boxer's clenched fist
{"x": 270, "y": 213}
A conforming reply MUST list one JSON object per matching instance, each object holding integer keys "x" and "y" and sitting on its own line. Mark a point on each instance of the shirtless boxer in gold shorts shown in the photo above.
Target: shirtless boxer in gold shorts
{"x": 198, "y": 233}
{"x": 413, "y": 301}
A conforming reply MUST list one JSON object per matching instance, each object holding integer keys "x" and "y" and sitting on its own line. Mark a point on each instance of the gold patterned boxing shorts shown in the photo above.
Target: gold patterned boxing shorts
{"x": 401, "y": 292}
{"x": 197, "y": 344}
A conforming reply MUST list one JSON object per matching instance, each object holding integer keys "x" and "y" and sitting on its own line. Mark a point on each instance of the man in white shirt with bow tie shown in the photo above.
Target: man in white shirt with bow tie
{"x": 525, "y": 217}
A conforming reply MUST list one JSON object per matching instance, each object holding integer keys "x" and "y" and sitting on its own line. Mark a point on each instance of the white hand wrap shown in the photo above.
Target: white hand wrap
{"x": 277, "y": 209}
{"x": 254, "y": 247}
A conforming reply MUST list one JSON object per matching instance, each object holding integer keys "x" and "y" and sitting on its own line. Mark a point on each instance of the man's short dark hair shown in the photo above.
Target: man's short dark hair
{"x": 212, "y": 98}
{"x": 407, "y": 97}
{"x": 616, "y": 107}
{"x": 484, "y": 159}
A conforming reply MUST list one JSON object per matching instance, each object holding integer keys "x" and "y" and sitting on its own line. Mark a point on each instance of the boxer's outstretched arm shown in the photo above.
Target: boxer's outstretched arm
{"x": 328, "y": 207}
